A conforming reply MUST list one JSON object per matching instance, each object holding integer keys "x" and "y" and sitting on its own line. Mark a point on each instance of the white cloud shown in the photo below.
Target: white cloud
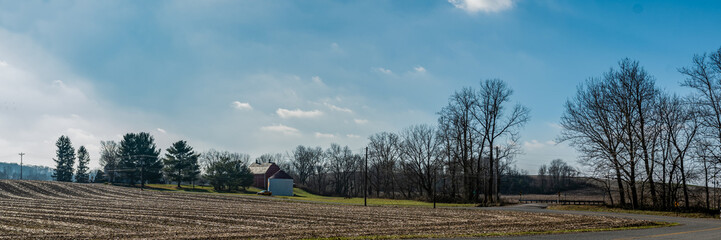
{"x": 339, "y": 109}
{"x": 280, "y": 128}
{"x": 324, "y": 135}
{"x": 473, "y": 6}
{"x": 317, "y": 80}
{"x": 161, "y": 130}
{"x": 297, "y": 113}
{"x": 352, "y": 136}
{"x": 242, "y": 105}
{"x": 383, "y": 70}
{"x": 419, "y": 69}
{"x": 3, "y": 63}
{"x": 81, "y": 135}
{"x": 335, "y": 48}
{"x": 535, "y": 144}
{"x": 37, "y": 108}
{"x": 360, "y": 121}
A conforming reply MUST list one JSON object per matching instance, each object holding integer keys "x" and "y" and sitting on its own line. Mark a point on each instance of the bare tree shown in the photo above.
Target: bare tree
{"x": 497, "y": 123}
{"x": 305, "y": 159}
{"x": 459, "y": 132}
{"x": 588, "y": 124}
{"x": 681, "y": 125}
{"x": 704, "y": 76}
{"x": 109, "y": 159}
{"x": 422, "y": 158}
{"x": 633, "y": 93}
{"x": 343, "y": 165}
{"x": 542, "y": 176}
{"x": 383, "y": 154}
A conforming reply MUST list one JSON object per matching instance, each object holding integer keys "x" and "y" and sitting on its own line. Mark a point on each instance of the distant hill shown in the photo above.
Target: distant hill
{"x": 30, "y": 172}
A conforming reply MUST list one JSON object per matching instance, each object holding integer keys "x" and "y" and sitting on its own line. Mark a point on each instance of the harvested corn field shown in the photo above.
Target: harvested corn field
{"x": 55, "y": 210}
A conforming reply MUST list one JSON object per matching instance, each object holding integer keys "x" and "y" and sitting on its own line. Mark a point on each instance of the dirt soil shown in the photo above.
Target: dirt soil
{"x": 55, "y": 210}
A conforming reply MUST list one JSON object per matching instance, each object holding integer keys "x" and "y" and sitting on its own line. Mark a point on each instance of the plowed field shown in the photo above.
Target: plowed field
{"x": 54, "y": 210}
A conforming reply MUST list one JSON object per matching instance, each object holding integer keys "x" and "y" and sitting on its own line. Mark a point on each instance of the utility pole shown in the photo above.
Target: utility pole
{"x": 365, "y": 181}
{"x": 21, "y": 164}
{"x": 498, "y": 177}
{"x": 434, "y": 191}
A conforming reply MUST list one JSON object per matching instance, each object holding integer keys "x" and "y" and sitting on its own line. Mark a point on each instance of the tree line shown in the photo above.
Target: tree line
{"x": 461, "y": 158}
{"x": 136, "y": 160}
{"x": 30, "y": 172}
{"x": 649, "y": 142}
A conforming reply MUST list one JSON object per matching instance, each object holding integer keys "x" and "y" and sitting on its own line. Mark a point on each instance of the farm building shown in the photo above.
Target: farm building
{"x": 281, "y": 184}
{"x": 261, "y": 173}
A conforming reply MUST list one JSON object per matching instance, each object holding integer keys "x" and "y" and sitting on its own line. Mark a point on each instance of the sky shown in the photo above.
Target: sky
{"x": 265, "y": 76}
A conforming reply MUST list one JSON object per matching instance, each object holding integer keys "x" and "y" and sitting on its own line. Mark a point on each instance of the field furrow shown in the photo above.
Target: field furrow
{"x": 55, "y": 210}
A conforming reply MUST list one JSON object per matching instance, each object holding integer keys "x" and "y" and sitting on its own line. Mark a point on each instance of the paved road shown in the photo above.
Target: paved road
{"x": 688, "y": 228}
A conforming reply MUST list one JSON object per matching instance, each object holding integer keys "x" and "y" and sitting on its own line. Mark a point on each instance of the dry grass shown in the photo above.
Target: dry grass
{"x": 621, "y": 210}
{"x": 54, "y": 210}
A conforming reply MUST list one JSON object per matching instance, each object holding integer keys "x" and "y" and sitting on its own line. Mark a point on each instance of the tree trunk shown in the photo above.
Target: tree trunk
{"x": 683, "y": 180}
{"x": 622, "y": 198}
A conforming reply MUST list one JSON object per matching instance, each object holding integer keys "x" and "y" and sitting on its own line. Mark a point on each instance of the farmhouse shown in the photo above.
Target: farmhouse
{"x": 261, "y": 173}
{"x": 281, "y": 184}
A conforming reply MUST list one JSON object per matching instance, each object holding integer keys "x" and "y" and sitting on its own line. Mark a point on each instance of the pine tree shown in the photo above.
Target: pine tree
{"x": 100, "y": 177}
{"x": 246, "y": 177}
{"x": 81, "y": 173}
{"x": 65, "y": 160}
{"x": 139, "y": 159}
{"x": 181, "y": 163}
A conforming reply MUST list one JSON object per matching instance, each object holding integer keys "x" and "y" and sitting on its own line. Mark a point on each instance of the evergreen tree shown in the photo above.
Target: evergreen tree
{"x": 99, "y": 177}
{"x": 246, "y": 177}
{"x": 181, "y": 163}
{"x": 65, "y": 160}
{"x": 81, "y": 173}
{"x": 226, "y": 172}
{"x": 193, "y": 171}
{"x": 139, "y": 159}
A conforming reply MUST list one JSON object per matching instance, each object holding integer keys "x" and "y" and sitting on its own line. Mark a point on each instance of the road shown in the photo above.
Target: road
{"x": 688, "y": 228}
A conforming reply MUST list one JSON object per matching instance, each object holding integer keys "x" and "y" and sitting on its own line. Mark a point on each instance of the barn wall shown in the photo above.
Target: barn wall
{"x": 259, "y": 181}
{"x": 281, "y": 187}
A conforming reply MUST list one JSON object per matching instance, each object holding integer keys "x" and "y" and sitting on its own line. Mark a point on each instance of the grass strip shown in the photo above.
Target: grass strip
{"x": 300, "y": 194}
{"x": 621, "y": 210}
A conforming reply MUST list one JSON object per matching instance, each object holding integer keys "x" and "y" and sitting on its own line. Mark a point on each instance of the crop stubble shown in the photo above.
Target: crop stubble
{"x": 55, "y": 210}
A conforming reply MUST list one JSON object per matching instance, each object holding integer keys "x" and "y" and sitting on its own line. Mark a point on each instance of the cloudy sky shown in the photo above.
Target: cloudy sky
{"x": 265, "y": 76}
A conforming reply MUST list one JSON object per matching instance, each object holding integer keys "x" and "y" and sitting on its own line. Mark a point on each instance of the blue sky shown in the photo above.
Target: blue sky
{"x": 265, "y": 76}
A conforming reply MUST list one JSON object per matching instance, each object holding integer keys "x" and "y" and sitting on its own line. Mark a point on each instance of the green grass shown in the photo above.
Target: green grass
{"x": 301, "y": 194}
{"x": 200, "y": 189}
{"x": 621, "y": 210}
{"x": 499, "y": 234}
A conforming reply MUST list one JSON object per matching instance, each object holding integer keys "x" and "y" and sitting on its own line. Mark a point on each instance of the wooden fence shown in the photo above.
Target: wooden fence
{"x": 562, "y": 202}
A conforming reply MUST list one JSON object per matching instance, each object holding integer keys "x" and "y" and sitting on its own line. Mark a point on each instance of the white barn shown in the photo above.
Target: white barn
{"x": 280, "y": 184}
